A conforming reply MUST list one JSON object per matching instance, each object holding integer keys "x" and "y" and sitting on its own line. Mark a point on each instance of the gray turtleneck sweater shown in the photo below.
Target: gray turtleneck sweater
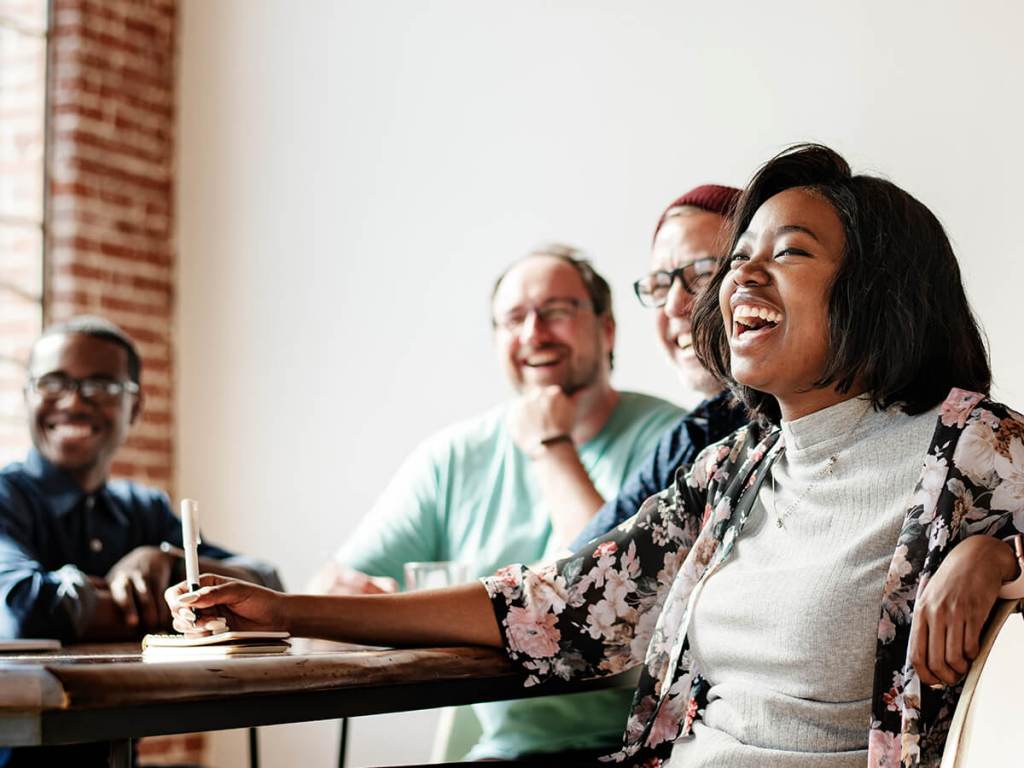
{"x": 785, "y": 630}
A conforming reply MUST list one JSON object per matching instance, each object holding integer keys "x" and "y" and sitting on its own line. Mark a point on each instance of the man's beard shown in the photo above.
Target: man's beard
{"x": 576, "y": 380}
{"x": 577, "y": 374}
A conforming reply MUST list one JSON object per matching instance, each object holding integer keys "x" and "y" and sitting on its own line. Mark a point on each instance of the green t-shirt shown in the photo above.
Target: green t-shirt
{"x": 467, "y": 494}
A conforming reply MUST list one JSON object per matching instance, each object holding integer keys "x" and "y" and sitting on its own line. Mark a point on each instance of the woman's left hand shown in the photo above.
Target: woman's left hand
{"x": 953, "y": 609}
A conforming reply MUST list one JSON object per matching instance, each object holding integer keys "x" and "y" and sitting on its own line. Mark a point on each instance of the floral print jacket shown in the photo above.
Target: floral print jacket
{"x": 625, "y": 598}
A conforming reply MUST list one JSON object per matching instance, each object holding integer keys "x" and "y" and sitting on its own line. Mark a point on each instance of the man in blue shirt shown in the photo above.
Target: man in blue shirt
{"x": 80, "y": 555}
{"x": 83, "y": 557}
{"x": 687, "y": 241}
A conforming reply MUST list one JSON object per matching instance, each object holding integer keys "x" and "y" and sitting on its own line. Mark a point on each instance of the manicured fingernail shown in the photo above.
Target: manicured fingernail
{"x": 189, "y": 597}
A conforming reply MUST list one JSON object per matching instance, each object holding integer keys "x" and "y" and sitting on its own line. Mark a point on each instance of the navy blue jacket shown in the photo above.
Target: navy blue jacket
{"x": 708, "y": 423}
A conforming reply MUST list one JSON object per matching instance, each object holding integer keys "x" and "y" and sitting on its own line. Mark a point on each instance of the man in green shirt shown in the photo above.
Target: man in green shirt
{"x": 518, "y": 483}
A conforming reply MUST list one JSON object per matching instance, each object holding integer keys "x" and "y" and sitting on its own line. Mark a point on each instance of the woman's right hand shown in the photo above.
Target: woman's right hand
{"x": 243, "y": 606}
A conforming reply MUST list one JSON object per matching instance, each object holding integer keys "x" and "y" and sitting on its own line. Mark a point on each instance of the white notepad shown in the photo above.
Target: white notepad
{"x": 220, "y": 644}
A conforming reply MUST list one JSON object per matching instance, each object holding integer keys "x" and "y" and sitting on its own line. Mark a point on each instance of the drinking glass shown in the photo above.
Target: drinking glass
{"x": 432, "y": 575}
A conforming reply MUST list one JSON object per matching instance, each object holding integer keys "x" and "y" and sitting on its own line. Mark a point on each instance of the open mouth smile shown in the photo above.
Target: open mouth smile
{"x": 70, "y": 430}
{"x": 752, "y": 321}
{"x": 543, "y": 358}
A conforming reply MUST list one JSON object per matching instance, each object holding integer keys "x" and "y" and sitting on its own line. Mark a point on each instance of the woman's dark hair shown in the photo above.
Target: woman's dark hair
{"x": 899, "y": 323}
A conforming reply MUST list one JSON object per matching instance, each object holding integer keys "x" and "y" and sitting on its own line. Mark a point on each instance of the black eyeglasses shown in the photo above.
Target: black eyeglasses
{"x": 552, "y": 313}
{"x": 53, "y": 386}
{"x": 653, "y": 289}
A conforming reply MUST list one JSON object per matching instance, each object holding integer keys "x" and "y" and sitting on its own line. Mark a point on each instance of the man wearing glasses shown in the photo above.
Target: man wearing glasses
{"x": 81, "y": 556}
{"x": 516, "y": 484}
{"x": 687, "y": 241}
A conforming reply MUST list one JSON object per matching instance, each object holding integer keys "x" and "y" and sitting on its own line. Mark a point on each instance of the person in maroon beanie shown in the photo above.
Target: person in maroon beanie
{"x": 687, "y": 240}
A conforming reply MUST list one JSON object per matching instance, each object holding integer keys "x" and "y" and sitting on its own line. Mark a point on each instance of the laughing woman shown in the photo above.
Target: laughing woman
{"x": 794, "y": 597}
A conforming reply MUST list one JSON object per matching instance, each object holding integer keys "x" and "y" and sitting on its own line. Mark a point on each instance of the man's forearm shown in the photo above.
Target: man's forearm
{"x": 60, "y": 604}
{"x": 567, "y": 490}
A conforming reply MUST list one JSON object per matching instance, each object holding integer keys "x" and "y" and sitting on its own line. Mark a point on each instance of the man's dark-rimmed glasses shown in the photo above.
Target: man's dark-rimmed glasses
{"x": 53, "y": 386}
{"x": 652, "y": 290}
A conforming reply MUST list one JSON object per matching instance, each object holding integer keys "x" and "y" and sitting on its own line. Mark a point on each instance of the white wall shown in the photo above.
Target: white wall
{"x": 353, "y": 175}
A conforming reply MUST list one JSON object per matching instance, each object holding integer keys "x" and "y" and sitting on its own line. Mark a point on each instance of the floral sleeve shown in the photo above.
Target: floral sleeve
{"x": 987, "y": 473}
{"x": 972, "y": 483}
{"x": 594, "y": 613}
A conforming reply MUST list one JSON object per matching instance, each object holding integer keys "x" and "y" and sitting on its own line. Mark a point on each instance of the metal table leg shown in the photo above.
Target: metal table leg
{"x": 343, "y": 743}
{"x": 254, "y": 748}
{"x": 121, "y": 753}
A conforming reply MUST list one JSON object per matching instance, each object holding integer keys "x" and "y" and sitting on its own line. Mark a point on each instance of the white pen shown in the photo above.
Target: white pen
{"x": 190, "y": 541}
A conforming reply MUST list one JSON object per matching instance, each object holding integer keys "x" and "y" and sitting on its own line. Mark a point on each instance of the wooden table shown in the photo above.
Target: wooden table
{"x": 108, "y": 693}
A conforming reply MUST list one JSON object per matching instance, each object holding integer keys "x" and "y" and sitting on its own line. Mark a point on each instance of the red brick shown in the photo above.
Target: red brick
{"x": 87, "y": 272}
{"x": 88, "y": 139}
{"x": 111, "y": 194}
{"x": 114, "y": 251}
{"x": 161, "y": 184}
{"x": 113, "y": 73}
{"x": 192, "y": 741}
{"x": 161, "y": 418}
{"x": 76, "y": 82}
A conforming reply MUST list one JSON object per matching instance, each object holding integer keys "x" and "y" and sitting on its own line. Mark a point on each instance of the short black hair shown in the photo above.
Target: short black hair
{"x": 598, "y": 290}
{"x": 898, "y": 317}
{"x": 98, "y": 328}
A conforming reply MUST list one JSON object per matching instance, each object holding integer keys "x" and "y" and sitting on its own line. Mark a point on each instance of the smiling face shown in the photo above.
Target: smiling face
{"x": 689, "y": 237}
{"x": 545, "y": 328}
{"x": 774, "y": 300}
{"x": 76, "y": 434}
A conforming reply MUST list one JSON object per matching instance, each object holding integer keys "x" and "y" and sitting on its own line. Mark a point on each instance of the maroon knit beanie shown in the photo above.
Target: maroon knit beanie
{"x": 712, "y": 198}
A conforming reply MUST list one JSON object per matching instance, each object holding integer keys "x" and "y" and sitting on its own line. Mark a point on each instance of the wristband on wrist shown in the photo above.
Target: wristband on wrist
{"x": 1014, "y": 590}
{"x": 547, "y": 442}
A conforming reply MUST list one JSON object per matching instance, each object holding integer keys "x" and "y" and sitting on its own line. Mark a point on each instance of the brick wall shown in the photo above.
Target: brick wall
{"x": 111, "y": 249}
{"x": 112, "y": 148}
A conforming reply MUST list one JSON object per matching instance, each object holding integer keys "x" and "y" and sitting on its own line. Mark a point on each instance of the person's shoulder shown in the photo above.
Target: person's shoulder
{"x": 644, "y": 401}
{"x": 481, "y": 426}
{"x": 721, "y": 459}
{"x": 12, "y": 473}
{"x": 980, "y": 441}
{"x": 13, "y": 483}
{"x": 484, "y": 430}
{"x": 634, "y": 406}
{"x": 963, "y": 409}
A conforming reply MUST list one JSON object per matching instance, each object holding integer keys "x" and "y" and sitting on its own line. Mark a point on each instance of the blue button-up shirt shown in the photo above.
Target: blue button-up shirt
{"x": 53, "y": 536}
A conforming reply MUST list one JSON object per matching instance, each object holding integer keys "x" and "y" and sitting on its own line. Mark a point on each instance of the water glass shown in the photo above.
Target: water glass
{"x": 432, "y": 575}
